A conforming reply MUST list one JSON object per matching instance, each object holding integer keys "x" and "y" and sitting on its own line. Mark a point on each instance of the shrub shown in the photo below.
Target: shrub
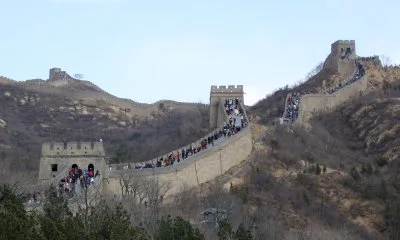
{"x": 355, "y": 175}
{"x": 382, "y": 161}
{"x": 318, "y": 170}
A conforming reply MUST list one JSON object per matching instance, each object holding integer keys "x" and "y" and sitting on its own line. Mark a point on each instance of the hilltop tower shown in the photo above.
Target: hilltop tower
{"x": 218, "y": 95}
{"x": 57, "y": 74}
{"x": 342, "y": 57}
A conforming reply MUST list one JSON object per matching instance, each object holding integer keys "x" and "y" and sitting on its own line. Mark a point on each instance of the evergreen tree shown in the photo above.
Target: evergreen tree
{"x": 318, "y": 170}
{"x": 243, "y": 234}
{"x": 14, "y": 220}
{"x": 57, "y": 222}
{"x": 177, "y": 229}
{"x": 112, "y": 224}
{"x": 370, "y": 169}
{"x": 355, "y": 175}
{"x": 225, "y": 231}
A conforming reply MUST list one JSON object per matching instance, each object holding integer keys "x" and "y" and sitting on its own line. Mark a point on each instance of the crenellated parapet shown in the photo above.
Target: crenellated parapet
{"x": 71, "y": 149}
{"x": 227, "y": 89}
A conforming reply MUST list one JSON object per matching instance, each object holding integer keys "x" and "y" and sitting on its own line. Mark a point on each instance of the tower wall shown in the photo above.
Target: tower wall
{"x": 58, "y": 156}
{"x": 342, "y": 57}
{"x": 218, "y": 95}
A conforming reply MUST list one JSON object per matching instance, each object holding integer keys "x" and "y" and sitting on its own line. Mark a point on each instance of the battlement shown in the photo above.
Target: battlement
{"x": 344, "y": 47}
{"x": 72, "y": 149}
{"x": 227, "y": 89}
{"x": 343, "y": 42}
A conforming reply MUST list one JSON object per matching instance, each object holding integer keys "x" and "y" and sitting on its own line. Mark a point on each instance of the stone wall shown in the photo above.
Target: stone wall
{"x": 312, "y": 103}
{"x": 190, "y": 173}
{"x": 341, "y": 57}
{"x": 222, "y": 121}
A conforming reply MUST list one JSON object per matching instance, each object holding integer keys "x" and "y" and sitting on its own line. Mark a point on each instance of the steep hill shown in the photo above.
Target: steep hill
{"x": 343, "y": 171}
{"x": 338, "y": 180}
{"x": 35, "y": 111}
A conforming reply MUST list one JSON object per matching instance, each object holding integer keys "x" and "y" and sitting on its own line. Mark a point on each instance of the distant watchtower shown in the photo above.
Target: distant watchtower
{"x": 218, "y": 95}
{"x": 344, "y": 49}
{"x": 57, "y": 74}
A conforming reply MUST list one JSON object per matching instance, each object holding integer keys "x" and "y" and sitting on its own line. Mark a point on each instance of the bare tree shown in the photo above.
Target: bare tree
{"x": 132, "y": 186}
{"x": 386, "y": 61}
{"x": 315, "y": 71}
{"x": 85, "y": 199}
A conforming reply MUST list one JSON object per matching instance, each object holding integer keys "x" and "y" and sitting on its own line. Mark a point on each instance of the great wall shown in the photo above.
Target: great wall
{"x": 191, "y": 172}
{"x": 215, "y": 161}
{"x": 343, "y": 61}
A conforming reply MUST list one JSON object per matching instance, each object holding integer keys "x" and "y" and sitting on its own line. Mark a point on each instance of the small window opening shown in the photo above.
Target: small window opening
{"x": 65, "y": 145}
{"x": 54, "y": 167}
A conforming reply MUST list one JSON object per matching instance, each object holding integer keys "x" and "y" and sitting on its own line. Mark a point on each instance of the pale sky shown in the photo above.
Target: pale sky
{"x": 152, "y": 50}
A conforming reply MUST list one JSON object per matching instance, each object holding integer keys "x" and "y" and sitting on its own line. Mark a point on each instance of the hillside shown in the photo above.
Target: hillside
{"x": 340, "y": 180}
{"x": 77, "y": 110}
{"x": 273, "y": 106}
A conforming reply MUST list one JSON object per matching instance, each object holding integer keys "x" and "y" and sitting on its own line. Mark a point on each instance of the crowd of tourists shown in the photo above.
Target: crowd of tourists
{"x": 232, "y": 126}
{"x": 75, "y": 176}
{"x": 368, "y": 58}
{"x": 33, "y": 198}
{"x": 292, "y": 107}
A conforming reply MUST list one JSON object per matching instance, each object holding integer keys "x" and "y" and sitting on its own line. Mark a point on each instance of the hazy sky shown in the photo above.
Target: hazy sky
{"x": 150, "y": 50}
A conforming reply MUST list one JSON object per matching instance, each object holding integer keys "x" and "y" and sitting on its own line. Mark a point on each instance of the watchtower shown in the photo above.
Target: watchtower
{"x": 57, "y": 157}
{"x": 57, "y": 74}
{"x": 344, "y": 49}
{"x": 218, "y": 95}
{"x": 342, "y": 57}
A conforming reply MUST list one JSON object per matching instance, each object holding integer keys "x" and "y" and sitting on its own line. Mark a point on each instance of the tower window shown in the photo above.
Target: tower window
{"x": 54, "y": 167}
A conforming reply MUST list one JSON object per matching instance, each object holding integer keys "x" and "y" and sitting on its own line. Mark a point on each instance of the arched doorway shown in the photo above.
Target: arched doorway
{"x": 91, "y": 166}
{"x": 74, "y": 166}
